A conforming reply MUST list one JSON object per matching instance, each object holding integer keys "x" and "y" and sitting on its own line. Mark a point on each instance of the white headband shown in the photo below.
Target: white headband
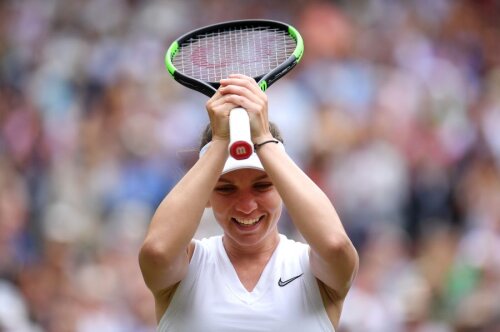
{"x": 233, "y": 164}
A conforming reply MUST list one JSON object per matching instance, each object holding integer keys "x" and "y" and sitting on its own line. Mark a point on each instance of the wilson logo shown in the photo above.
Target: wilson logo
{"x": 241, "y": 150}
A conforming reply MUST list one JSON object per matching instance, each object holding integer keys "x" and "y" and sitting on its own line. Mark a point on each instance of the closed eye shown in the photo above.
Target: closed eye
{"x": 225, "y": 189}
{"x": 262, "y": 186}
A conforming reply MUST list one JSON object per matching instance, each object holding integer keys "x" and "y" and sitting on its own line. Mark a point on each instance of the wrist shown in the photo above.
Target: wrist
{"x": 217, "y": 144}
{"x": 222, "y": 142}
{"x": 259, "y": 145}
{"x": 215, "y": 147}
{"x": 263, "y": 138}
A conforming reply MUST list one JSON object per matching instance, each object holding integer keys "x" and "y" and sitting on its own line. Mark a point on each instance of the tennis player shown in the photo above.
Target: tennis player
{"x": 250, "y": 278}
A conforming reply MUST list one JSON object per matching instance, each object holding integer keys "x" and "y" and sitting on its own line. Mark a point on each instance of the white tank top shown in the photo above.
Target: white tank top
{"x": 211, "y": 297}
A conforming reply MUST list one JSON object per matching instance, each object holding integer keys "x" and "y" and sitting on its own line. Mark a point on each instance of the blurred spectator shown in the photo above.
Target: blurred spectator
{"x": 394, "y": 112}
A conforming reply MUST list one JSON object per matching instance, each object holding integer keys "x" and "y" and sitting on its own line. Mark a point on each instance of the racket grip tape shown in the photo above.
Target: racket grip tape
{"x": 240, "y": 137}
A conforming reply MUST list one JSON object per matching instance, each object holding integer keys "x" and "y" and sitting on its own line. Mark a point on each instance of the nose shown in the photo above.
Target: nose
{"x": 246, "y": 202}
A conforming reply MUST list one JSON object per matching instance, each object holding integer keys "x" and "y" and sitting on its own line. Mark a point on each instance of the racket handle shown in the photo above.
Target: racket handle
{"x": 240, "y": 137}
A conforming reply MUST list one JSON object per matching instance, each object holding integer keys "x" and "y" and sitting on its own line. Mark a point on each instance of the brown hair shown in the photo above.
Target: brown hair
{"x": 207, "y": 134}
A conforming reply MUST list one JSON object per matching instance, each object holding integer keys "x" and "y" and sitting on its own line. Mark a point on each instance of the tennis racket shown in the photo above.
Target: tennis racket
{"x": 262, "y": 49}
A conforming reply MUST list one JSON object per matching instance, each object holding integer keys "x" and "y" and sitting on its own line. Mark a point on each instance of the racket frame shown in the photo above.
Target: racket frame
{"x": 264, "y": 81}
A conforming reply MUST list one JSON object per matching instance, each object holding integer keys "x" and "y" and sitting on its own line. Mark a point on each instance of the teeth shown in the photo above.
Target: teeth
{"x": 247, "y": 221}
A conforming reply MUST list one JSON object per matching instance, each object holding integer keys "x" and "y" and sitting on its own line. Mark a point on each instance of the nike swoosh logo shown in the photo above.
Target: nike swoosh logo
{"x": 286, "y": 282}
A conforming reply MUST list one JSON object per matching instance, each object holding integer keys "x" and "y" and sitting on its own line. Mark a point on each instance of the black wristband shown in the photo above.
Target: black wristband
{"x": 256, "y": 146}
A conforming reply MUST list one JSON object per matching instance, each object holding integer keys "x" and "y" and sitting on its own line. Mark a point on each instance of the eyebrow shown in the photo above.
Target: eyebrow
{"x": 260, "y": 177}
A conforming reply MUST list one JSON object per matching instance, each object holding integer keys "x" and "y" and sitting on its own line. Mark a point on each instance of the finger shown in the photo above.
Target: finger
{"x": 221, "y": 108}
{"x": 235, "y": 100}
{"x": 241, "y": 80}
{"x": 227, "y": 102}
{"x": 240, "y": 91}
{"x": 252, "y": 92}
{"x": 216, "y": 96}
{"x": 220, "y": 97}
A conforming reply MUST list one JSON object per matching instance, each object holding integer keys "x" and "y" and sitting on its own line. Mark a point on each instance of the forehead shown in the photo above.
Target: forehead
{"x": 244, "y": 174}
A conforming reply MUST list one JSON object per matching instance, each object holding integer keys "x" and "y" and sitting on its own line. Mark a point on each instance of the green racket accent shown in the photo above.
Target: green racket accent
{"x": 172, "y": 50}
{"x": 299, "y": 51}
{"x": 262, "y": 49}
{"x": 263, "y": 85}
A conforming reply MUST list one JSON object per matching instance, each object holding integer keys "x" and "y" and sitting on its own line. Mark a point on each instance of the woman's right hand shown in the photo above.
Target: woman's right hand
{"x": 218, "y": 109}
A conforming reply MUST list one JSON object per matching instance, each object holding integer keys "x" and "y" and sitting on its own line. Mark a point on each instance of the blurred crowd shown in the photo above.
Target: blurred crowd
{"x": 394, "y": 111}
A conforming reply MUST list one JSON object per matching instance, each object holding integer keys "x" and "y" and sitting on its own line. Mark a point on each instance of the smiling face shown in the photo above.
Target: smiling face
{"x": 247, "y": 206}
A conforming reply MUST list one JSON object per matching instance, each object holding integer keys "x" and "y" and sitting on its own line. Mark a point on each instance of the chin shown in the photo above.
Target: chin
{"x": 252, "y": 238}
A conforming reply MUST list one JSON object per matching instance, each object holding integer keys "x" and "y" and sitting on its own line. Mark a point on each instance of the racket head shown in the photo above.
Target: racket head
{"x": 263, "y": 49}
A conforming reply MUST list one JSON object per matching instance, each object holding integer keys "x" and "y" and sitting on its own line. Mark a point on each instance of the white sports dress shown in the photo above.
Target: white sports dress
{"x": 211, "y": 298}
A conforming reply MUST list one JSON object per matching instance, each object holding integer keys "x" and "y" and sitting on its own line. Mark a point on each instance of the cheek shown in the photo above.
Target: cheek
{"x": 272, "y": 202}
{"x": 220, "y": 218}
{"x": 219, "y": 207}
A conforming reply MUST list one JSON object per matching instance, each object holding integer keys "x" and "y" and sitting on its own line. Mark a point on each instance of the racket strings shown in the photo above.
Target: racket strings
{"x": 251, "y": 51}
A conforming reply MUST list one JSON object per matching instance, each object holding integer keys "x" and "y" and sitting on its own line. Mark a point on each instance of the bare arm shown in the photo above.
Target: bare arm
{"x": 165, "y": 254}
{"x": 334, "y": 260}
{"x": 164, "y": 257}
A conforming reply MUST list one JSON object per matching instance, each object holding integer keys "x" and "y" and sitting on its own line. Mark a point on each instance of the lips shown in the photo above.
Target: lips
{"x": 247, "y": 222}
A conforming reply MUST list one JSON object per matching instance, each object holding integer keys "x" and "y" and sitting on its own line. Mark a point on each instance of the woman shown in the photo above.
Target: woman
{"x": 251, "y": 278}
